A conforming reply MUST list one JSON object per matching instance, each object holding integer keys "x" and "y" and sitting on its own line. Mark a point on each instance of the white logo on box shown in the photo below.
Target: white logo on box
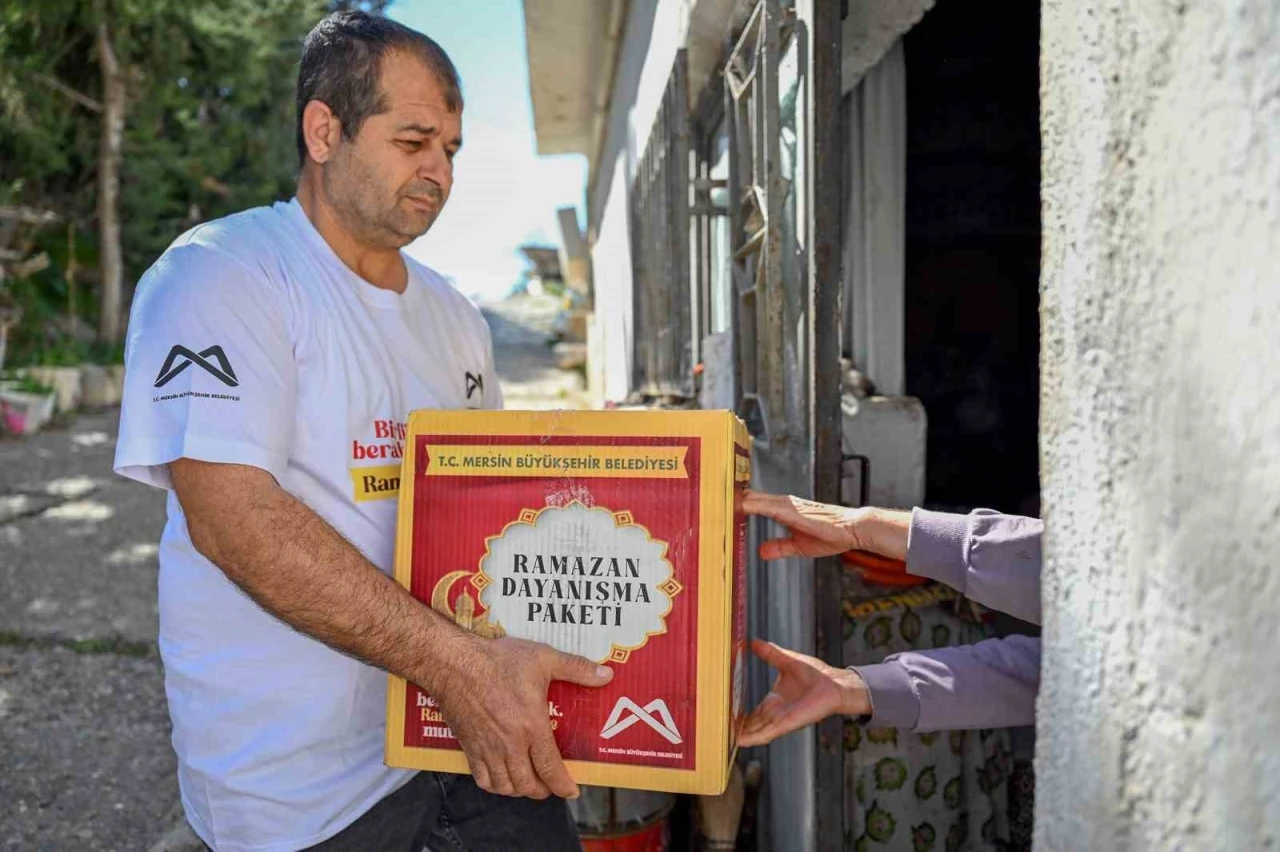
{"x": 663, "y": 723}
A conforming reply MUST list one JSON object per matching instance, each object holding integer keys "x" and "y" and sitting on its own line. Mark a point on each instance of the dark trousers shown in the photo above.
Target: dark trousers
{"x": 449, "y": 813}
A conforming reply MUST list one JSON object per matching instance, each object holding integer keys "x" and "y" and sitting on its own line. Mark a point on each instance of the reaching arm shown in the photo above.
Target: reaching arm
{"x": 990, "y": 684}
{"x": 991, "y": 558}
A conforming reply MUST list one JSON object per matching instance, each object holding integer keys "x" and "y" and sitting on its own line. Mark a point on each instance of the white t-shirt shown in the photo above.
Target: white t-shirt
{"x": 250, "y": 342}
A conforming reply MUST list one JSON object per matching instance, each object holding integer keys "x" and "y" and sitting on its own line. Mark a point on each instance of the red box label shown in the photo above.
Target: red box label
{"x": 599, "y": 558}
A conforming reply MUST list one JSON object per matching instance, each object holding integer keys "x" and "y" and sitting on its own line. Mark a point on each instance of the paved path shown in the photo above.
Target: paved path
{"x": 83, "y": 724}
{"x": 530, "y": 379}
{"x": 84, "y": 731}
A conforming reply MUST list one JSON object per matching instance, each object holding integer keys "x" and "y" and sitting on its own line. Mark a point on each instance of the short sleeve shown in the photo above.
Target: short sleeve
{"x": 493, "y": 388}
{"x": 209, "y": 368}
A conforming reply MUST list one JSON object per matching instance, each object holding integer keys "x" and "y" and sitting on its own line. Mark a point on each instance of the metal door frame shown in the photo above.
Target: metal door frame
{"x": 797, "y": 447}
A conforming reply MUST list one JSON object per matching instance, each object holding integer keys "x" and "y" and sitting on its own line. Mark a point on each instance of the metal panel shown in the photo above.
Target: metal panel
{"x": 708, "y": 210}
{"x": 660, "y": 249}
{"x": 823, "y": 21}
{"x": 752, "y": 79}
{"x": 783, "y": 100}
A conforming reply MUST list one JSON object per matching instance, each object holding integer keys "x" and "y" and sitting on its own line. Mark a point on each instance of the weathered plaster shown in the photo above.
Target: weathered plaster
{"x": 1159, "y": 714}
{"x": 870, "y": 30}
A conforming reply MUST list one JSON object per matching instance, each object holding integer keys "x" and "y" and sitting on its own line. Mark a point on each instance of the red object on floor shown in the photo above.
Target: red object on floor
{"x": 651, "y": 838}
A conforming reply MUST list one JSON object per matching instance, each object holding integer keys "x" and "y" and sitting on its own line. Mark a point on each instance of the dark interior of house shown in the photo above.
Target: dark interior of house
{"x": 973, "y": 251}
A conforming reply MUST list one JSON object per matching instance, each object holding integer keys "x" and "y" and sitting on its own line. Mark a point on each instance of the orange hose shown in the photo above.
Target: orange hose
{"x": 899, "y": 580}
{"x": 881, "y": 570}
{"x": 874, "y": 561}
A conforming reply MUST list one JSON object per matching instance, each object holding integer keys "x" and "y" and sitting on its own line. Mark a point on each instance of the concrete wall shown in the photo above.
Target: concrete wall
{"x": 870, "y": 29}
{"x": 1159, "y": 715}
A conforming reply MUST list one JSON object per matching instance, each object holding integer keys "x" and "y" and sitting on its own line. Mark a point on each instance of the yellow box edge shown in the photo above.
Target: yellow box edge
{"x": 713, "y": 757}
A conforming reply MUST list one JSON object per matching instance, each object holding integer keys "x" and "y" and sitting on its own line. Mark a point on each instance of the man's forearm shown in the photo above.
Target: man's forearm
{"x": 300, "y": 569}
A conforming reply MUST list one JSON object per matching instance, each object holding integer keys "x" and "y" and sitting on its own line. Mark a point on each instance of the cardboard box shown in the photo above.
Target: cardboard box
{"x": 613, "y": 535}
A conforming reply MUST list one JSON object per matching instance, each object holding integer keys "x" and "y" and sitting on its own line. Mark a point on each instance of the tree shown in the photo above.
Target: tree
{"x": 111, "y": 269}
{"x": 134, "y": 120}
{"x": 376, "y": 7}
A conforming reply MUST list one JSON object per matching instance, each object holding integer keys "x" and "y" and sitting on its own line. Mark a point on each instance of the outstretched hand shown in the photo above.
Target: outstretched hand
{"x": 816, "y": 529}
{"x": 807, "y": 691}
{"x": 821, "y": 529}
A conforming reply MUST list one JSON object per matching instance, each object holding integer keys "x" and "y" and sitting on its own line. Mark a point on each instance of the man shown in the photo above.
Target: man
{"x": 992, "y": 558}
{"x": 273, "y": 357}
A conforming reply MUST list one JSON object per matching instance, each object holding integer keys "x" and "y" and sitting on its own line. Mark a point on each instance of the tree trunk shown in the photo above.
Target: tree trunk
{"x": 111, "y": 260}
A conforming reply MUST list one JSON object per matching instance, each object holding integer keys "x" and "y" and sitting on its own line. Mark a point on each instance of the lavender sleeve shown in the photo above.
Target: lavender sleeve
{"x": 995, "y": 560}
{"x": 991, "y": 684}
{"x": 991, "y": 558}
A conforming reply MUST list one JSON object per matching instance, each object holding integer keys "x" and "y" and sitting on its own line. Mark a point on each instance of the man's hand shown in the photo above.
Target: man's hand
{"x": 820, "y": 529}
{"x": 807, "y": 691}
{"x": 496, "y": 703}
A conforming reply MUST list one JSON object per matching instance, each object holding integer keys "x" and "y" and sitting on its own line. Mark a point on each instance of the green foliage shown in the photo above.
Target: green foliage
{"x": 377, "y": 7}
{"x": 216, "y": 135}
{"x": 209, "y": 130}
{"x": 24, "y": 384}
{"x": 63, "y": 352}
{"x": 106, "y": 354}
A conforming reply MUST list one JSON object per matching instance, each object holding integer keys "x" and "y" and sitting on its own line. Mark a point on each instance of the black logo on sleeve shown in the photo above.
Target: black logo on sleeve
{"x": 475, "y": 383}
{"x": 180, "y": 358}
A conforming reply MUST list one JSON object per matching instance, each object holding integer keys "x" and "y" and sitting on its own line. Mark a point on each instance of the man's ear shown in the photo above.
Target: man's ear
{"x": 321, "y": 130}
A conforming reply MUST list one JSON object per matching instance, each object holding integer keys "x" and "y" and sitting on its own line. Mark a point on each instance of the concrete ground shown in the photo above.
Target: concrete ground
{"x": 85, "y": 760}
{"x": 530, "y": 379}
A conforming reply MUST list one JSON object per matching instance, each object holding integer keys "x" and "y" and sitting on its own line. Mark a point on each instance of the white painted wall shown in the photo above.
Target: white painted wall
{"x": 655, "y": 31}
{"x": 611, "y": 260}
{"x": 1159, "y": 714}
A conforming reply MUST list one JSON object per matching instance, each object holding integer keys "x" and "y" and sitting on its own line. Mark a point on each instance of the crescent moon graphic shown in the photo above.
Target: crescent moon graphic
{"x": 440, "y": 594}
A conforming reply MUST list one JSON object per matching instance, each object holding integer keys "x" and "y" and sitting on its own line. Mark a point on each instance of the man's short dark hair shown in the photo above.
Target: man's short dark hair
{"x": 342, "y": 67}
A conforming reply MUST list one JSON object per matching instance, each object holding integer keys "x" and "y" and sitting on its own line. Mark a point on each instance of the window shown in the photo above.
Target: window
{"x": 660, "y": 250}
{"x": 712, "y": 249}
{"x": 719, "y": 283}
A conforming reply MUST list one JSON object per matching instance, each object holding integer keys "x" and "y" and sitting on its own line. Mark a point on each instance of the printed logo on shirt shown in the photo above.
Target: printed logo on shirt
{"x": 173, "y": 366}
{"x": 381, "y": 481}
{"x": 475, "y": 382}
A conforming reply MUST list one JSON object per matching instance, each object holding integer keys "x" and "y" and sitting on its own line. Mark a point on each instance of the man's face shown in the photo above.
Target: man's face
{"x": 391, "y": 181}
